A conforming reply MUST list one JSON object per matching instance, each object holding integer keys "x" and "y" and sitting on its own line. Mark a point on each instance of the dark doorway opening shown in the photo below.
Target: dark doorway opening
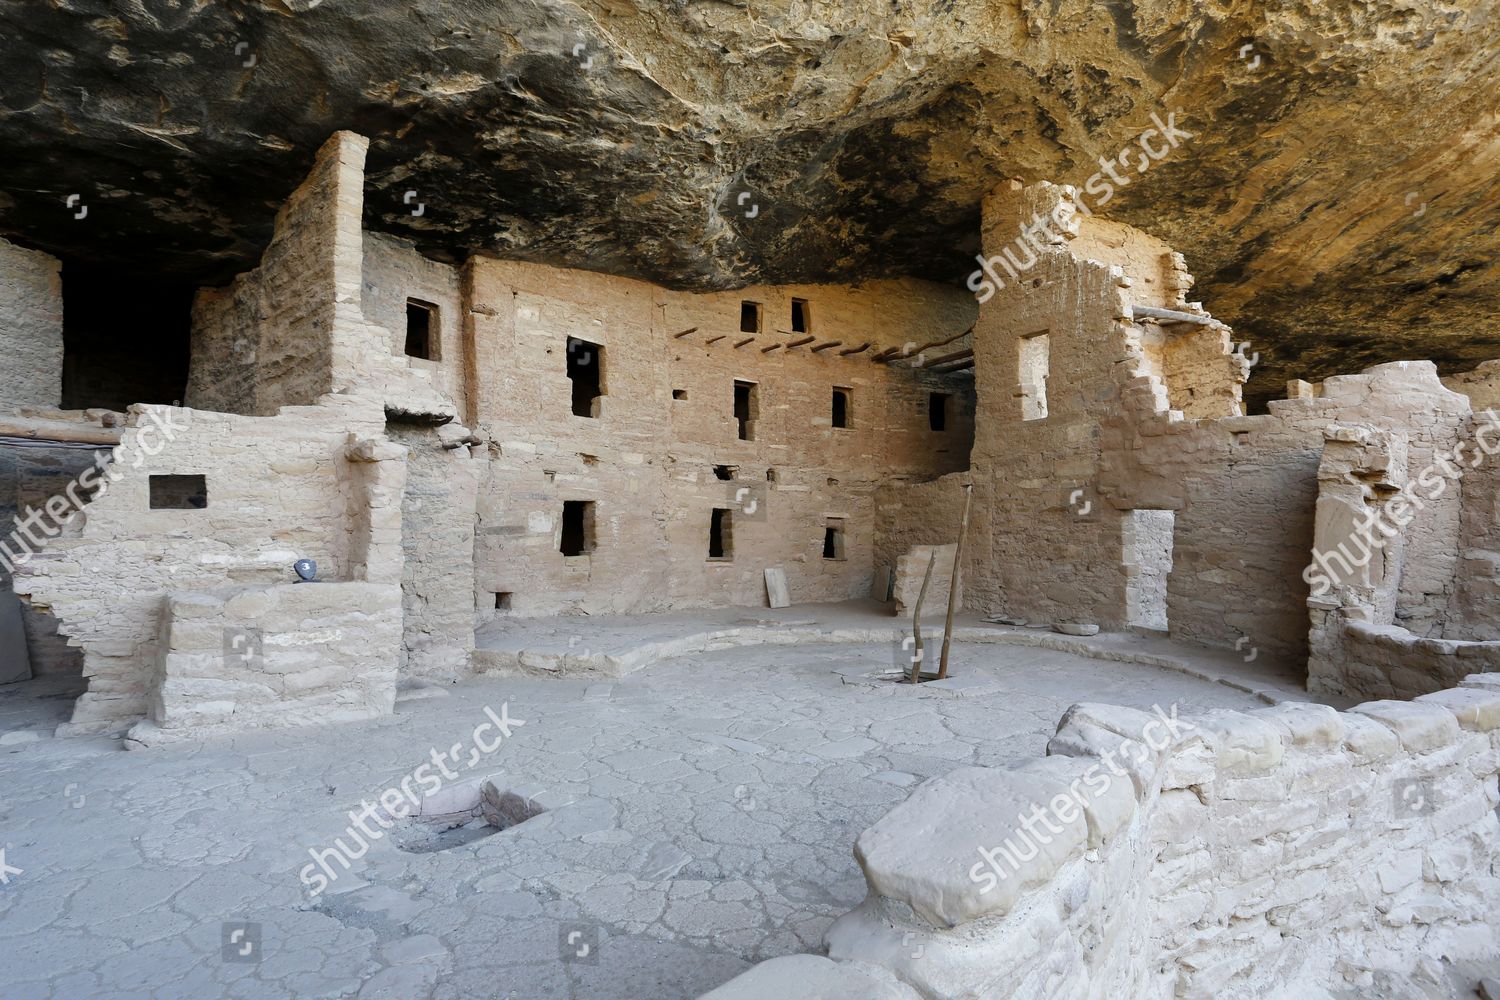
{"x": 586, "y": 371}
{"x": 577, "y": 528}
{"x": 937, "y": 411}
{"x": 745, "y": 406}
{"x": 801, "y": 316}
{"x": 841, "y": 406}
{"x": 125, "y": 338}
{"x": 721, "y": 534}
{"x": 749, "y": 317}
{"x": 421, "y": 330}
{"x": 833, "y": 538}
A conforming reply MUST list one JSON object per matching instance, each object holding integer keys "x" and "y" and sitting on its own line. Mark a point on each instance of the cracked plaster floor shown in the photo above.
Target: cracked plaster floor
{"x": 733, "y": 785}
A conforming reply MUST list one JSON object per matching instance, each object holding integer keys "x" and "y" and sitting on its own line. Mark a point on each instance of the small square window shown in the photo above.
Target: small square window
{"x": 749, "y": 317}
{"x": 679, "y": 394}
{"x": 178, "y": 492}
{"x": 502, "y": 600}
{"x": 421, "y": 330}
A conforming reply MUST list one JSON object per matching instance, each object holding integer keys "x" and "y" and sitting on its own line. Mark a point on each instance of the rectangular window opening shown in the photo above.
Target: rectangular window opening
{"x": 679, "y": 394}
{"x": 833, "y": 538}
{"x": 178, "y": 492}
{"x": 725, "y": 472}
{"x": 801, "y": 316}
{"x": 502, "y": 600}
{"x": 721, "y": 534}
{"x": 577, "y": 528}
{"x": 937, "y": 411}
{"x": 421, "y": 330}
{"x": 586, "y": 372}
{"x": 749, "y": 317}
{"x": 842, "y": 416}
{"x": 1035, "y": 359}
{"x": 746, "y": 407}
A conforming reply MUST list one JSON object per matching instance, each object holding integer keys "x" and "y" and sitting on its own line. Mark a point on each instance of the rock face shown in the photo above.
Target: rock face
{"x": 1336, "y": 196}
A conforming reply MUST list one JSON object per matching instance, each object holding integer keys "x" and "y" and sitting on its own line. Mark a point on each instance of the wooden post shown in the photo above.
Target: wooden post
{"x": 916, "y": 621}
{"x": 958, "y": 555}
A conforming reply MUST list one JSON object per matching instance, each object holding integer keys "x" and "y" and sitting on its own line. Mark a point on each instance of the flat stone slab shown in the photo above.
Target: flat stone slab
{"x": 811, "y": 977}
{"x": 935, "y": 850}
{"x": 1074, "y": 628}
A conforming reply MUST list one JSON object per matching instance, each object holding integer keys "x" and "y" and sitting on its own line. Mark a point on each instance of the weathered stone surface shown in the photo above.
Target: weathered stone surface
{"x": 923, "y": 851}
{"x": 812, "y": 977}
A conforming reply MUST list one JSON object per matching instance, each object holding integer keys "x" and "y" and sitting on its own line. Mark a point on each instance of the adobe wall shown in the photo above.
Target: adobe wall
{"x": 647, "y": 460}
{"x": 31, "y": 328}
{"x": 1293, "y": 848}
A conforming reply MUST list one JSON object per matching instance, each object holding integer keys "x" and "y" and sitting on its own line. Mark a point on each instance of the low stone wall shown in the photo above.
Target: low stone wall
{"x": 1292, "y": 849}
{"x": 1387, "y": 661}
{"x": 283, "y": 655}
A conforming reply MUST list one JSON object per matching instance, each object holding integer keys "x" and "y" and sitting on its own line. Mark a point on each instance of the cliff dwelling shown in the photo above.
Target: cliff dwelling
{"x": 617, "y": 502}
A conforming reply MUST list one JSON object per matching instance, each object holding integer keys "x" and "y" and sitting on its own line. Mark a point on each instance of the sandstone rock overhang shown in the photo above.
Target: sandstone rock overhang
{"x": 1335, "y": 193}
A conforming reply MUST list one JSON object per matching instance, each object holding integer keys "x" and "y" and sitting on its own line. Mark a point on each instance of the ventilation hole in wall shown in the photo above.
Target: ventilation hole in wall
{"x": 749, "y": 317}
{"x": 577, "y": 528}
{"x": 937, "y": 411}
{"x": 679, "y": 394}
{"x": 833, "y": 538}
{"x": 178, "y": 492}
{"x": 770, "y": 475}
{"x": 1241, "y": 437}
{"x": 801, "y": 316}
{"x": 586, "y": 372}
{"x": 725, "y": 472}
{"x": 550, "y": 475}
{"x": 502, "y": 600}
{"x": 721, "y": 534}
{"x": 833, "y": 482}
{"x": 421, "y": 330}
{"x": 842, "y": 396}
{"x": 589, "y": 459}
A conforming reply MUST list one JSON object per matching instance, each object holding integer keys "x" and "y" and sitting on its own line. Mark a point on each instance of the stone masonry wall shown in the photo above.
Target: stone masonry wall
{"x": 31, "y": 473}
{"x": 271, "y": 656}
{"x": 437, "y": 538}
{"x": 647, "y": 461}
{"x": 277, "y": 490}
{"x": 1293, "y": 848}
{"x": 264, "y": 341}
{"x": 1057, "y": 358}
{"x": 31, "y": 328}
{"x": 1244, "y": 489}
